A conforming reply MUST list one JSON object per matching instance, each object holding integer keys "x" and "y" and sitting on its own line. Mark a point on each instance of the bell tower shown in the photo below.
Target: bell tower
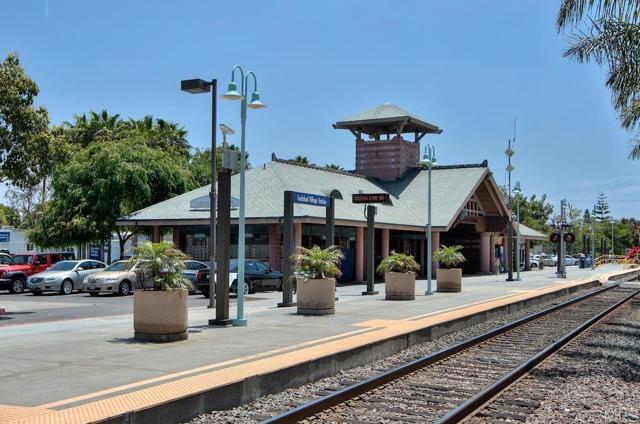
{"x": 386, "y": 154}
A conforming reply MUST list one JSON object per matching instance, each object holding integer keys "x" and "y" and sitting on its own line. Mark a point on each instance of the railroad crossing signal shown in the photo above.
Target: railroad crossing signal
{"x": 567, "y": 237}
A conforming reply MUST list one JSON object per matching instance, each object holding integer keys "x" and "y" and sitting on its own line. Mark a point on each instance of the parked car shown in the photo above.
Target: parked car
{"x": 119, "y": 277}
{"x": 258, "y": 277}
{"x": 191, "y": 269}
{"x": 63, "y": 277}
{"x": 13, "y": 277}
{"x": 5, "y": 258}
{"x": 568, "y": 260}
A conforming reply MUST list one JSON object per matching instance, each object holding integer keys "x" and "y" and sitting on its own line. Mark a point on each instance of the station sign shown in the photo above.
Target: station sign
{"x": 370, "y": 198}
{"x": 5, "y": 236}
{"x": 311, "y": 199}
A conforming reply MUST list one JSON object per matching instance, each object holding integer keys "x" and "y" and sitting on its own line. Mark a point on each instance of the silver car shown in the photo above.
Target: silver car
{"x": 63, "y": 276}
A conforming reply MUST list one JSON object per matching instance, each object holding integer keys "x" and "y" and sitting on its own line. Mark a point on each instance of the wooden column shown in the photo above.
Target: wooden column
{"x": 359, "y": 254}
{"x": 527, "y": 261}
{"x": 156, "y": 234}
{"x": 485, "y": 253}
{"x": 492, "y": 252}
{"x": 275, "y": 247}
{"x": 435, "y": 245}
{"x": 385, "y": 242}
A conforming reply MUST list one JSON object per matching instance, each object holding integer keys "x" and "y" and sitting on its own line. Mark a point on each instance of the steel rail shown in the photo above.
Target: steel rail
{"x": 471, "y": 405}
{"x": 348, "y": 393}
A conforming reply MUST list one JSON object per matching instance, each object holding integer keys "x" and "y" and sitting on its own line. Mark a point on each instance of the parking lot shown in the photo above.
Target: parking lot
{"x": 27, "y": 308}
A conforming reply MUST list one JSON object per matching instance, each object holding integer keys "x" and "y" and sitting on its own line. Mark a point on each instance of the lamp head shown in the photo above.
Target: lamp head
{"x": 195, "y": 86}
{"x": 232, "y": 92}
{"x": 255, "y": 101}
{"x": 425, "y": 160}
{"x": 517, "y": 189}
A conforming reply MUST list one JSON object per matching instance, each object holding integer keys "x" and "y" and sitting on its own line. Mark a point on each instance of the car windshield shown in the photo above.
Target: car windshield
{"x": 21, "y": 260}
{"x": 119, "y": 266}
{"x": 63, "y": 266}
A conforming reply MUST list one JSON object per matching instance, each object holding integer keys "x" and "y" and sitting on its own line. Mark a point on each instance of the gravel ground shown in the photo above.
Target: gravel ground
{"x": 270, "y": 405}
{"x": 595, "y": 379}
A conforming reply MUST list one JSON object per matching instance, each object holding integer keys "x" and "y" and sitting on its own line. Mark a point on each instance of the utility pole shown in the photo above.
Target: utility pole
{"x": 561, "y": 270}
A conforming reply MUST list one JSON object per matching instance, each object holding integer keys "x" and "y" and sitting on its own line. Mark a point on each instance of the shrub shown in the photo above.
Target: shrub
{"x": 163, "y": 264}
{"x": 398, "y": 262}
{"x": 449, "y": 256}
{"x": 317, "y": 263}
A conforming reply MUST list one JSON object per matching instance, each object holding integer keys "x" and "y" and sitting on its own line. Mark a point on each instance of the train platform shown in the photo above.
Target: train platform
{"x": 91, "y": 370}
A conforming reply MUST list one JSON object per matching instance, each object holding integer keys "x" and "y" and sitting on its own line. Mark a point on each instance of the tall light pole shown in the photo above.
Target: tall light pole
{"x": 612, "y": 248}
{"x": 509, "y": 253}
{"x": 197, "y": 86}
{"x": 517, "y": 191}
{"x": 429, "y": 159}
{"x": 593, "y": 238}
{"x": 255, "y": 103}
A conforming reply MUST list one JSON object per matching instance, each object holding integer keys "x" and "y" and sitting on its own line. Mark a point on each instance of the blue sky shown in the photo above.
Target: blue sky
{"x": 467, "y": 66}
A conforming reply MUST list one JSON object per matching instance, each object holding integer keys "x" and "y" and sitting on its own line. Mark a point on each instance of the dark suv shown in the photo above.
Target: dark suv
{"x": 13, "y": 277}
{"x": 258, "y": 276}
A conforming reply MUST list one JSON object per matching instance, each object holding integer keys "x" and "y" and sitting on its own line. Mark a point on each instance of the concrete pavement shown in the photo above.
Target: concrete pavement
{"x": 65, "y": 363}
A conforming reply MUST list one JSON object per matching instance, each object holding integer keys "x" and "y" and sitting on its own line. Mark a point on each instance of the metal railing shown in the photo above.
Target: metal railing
{"x": 613, "y": 259}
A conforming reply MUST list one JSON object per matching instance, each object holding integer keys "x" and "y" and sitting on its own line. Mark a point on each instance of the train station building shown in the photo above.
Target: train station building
{"x": 468, "y": 208}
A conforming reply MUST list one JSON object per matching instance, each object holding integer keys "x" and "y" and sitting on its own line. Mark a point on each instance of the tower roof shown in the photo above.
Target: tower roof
{"x": 387, "y": 118}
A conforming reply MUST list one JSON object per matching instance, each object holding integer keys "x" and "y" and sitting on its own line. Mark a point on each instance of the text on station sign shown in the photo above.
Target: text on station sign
{"x": 370, "y": 198}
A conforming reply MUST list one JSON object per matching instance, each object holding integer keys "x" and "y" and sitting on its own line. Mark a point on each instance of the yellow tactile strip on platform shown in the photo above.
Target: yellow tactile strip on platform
{"x": 10, "y": 413}
{"x": 165, "y": 392}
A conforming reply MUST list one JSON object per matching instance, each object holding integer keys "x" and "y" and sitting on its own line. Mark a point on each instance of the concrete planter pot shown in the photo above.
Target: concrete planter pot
{"x": 160, "y": 316}
{"x": 316, "y": 296}
{"x": 450, "y": 280}
{"x": 400, "y": 285}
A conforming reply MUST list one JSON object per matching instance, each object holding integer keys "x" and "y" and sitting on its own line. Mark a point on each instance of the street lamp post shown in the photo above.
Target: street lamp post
{"x": 517, "y": 191}
{"x": 593, "y": 238}
{"x": 429, "y": 159}
{"x": 612, "y": 245}
{"x": 197, "y": 86}
{"x": 255, "y": 103}
{"x": 509, "y": 253}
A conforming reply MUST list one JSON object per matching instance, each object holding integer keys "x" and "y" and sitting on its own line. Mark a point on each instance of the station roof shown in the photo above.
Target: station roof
{"x": 529, "y": 233}
{"x": 452, "y": 186}
{"x": 387, "y": 118}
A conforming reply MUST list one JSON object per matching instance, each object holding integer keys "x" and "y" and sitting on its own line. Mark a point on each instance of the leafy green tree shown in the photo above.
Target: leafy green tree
{"x": 28, "y": 149}
{"x": 9, "y": 216}
{"x": 159, "y": 133}
{"x": 302, "y": 160}
{"x": 103, "y": 182}
{"x": 608, "y": 33}
{"x": 200, "y": 164}
{"x": 334, "y": 167}
{"x": 535, "y": 212}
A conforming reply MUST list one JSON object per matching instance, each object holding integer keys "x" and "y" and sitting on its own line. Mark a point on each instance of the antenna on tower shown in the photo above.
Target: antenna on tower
{"x": 514, "y": 128}
{"x": 226, "y": 130}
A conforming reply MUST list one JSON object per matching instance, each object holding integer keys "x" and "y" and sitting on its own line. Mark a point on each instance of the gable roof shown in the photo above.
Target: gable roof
{"x": 529, "y": 233}
{"x": 452, "y": 187}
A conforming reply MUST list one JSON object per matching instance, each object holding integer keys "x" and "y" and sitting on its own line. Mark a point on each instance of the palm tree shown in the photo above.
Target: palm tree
{"x": 609, "y": 34}
{"x": 301, "y": 160}
{"x": 334, "y": 167}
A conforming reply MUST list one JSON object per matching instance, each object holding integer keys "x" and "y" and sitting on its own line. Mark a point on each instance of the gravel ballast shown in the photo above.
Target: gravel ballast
{"x": 594, "y": 379}
{"x": 268, "y": 406}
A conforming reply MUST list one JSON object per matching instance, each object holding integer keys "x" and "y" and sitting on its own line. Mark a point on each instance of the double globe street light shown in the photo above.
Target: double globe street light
{"x": 255, "y": 103}
{"x": 428, "y": 160}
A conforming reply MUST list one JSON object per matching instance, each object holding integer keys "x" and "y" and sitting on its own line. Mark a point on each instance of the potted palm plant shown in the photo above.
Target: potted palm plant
{"x": 399, "y": 276}
{"x": 160, "y": 311}
{"x": 449, "y": 278}
{"x": 316, "y": 271}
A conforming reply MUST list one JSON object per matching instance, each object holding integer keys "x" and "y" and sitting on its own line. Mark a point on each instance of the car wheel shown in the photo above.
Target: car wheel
{"x": 124, "y": 289}
{"x": 280, "y": 285}
{"x": 17, "y": 286}
{"x": 36, "y": 292}
{"x": 205, "y": 292}
{"x": 66, "y": 287}
{"x": 247, "y": 288}
{"x": 533, "y": 266}
{"x": 92, "y": 294}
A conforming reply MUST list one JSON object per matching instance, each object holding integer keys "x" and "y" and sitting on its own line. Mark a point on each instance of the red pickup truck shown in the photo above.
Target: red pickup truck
{"x": 13, "y": 277}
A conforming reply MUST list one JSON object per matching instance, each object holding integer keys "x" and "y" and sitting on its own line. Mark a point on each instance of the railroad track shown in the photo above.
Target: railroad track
{"x": 448, "y": 386}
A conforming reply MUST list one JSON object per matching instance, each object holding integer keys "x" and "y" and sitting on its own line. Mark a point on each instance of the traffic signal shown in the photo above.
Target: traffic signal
{"x": 555, "y": 237}
{"x": 569, "y": 237}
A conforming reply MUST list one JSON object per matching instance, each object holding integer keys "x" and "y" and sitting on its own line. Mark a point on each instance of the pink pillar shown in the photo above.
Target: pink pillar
{"x": 492, "y": 252}
{"x": 359, "y": 254}
{"x": 297, "y": 234}
{"x": 435, "y": 245}
{"x": 275, "y": 247}
{"x": 485, "y": 252}
{"x": 385, "y": 242}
